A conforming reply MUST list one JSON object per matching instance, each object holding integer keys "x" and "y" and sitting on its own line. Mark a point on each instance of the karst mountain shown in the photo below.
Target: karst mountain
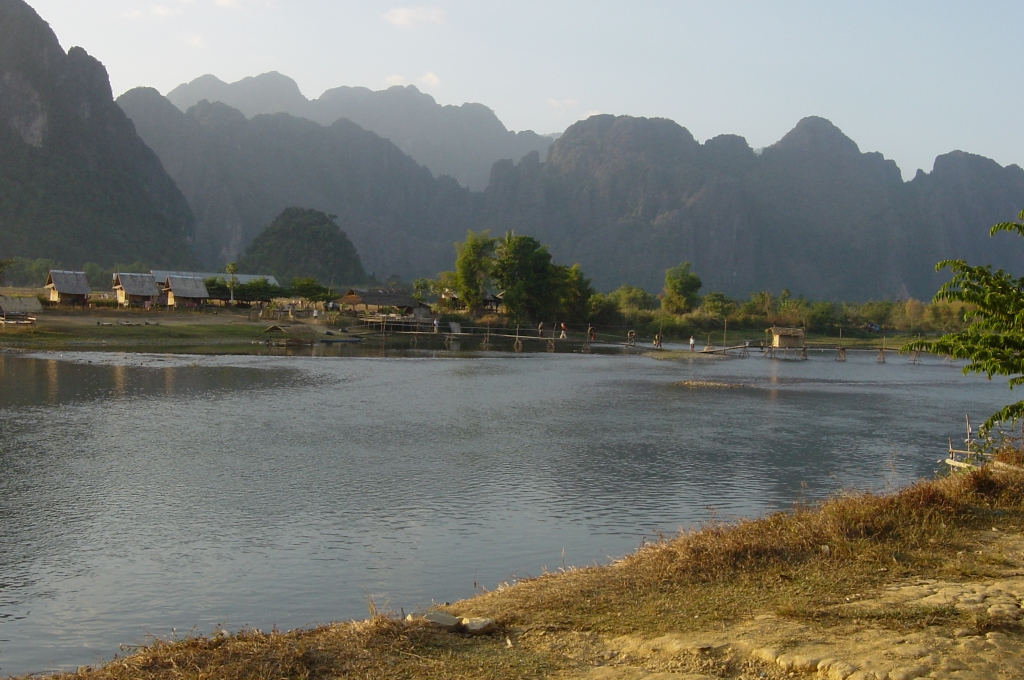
{"x": 76, "y": 182}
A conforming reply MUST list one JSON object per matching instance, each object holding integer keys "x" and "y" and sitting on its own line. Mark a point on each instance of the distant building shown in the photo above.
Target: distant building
{"x": 135, "y": 289}
{"x": 67, "y": 287}
{"x": 785, "y": 338}
{"x": 184, "y": 291}
{"x": 18, "y": 309}
{"x": 374, "y": 301}
{"x": 241, "y": 279}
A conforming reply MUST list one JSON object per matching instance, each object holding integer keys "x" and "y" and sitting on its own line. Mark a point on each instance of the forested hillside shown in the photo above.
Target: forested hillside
{"x": 76, "y": 182}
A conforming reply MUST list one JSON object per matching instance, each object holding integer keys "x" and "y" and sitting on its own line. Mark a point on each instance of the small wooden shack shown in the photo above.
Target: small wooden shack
{"x": 19, "y": 310}
{"x": 67, "y": 287}
{"x": 376, "y": 301}
{"x": 185, "y": 291}
{"x": 786, "y": 338}
{"x": 135, "y": 289}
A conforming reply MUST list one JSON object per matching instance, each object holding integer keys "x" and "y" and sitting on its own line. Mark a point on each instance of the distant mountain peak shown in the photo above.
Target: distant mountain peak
{"x": 461, "y": 141}
{"x": 816, "y": 135}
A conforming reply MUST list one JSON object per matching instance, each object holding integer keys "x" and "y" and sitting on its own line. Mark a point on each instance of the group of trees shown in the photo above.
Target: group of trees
{"x": 261, "y": 290}
{"x": 681, "y": 309}
{"x": 533, "y": 287}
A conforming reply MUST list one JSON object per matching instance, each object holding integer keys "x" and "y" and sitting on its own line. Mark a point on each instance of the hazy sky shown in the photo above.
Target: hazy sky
{"x": 908, "y": 79}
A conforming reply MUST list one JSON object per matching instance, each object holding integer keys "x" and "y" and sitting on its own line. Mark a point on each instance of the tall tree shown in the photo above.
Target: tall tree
{"x": 681, "y": 286}
{"x": 523, "y": 269}
{"x": 473, "y": 262}
{"x": 993, "y": 342}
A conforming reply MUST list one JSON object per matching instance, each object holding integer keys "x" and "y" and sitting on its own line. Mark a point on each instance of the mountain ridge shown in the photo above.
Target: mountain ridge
{"x": 76, "y": 182}
{"x": 460, "y": 141}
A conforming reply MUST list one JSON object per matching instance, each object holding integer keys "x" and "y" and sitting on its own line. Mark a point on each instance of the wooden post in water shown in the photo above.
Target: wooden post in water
{"x": 841, "y": 354}
{"x": 881, "y": 352}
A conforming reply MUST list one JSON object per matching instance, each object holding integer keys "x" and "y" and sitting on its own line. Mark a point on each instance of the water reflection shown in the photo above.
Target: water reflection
{"x": 139, "y": 493}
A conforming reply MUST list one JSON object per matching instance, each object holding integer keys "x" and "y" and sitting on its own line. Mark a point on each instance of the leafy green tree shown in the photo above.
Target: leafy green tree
{"x": 4, "y": 264}
{"x": 474, "y": 258}
{"x": 717, "y": 305}
{"x": 575, "y": 293}
{"x": 993, "y": 342}
{"x": 421, "y": 288}
{"x": 681, "y": 286}
{"x": 628, "y": 297}
{"x": 258, "y": 290}
{"x": 310, "y": 289}
{"x": 532, "y": 285}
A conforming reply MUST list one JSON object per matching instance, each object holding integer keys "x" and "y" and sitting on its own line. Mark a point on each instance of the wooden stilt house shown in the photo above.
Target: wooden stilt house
{"x": 68, "y": 287}
{"x": 786, "y": 338}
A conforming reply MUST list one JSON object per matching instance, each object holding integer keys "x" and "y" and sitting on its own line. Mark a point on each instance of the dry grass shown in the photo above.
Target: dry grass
{"x": 798, "y": 564}
{"x": 379, "y": 647}
{"x": 806, "y": 559}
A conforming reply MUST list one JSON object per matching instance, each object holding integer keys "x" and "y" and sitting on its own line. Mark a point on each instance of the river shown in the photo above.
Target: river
{"x": 145, "y": 494}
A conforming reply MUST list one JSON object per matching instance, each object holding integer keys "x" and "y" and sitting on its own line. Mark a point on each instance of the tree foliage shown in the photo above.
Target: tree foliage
{"x": 473, "y": 262}
{"x": 523, "y": 269}
{"x": 993, "y": 342}
{"x": 681, "y": 287}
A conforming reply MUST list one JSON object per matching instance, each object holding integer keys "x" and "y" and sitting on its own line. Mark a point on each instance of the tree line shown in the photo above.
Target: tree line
{"x": 535, "y": 289}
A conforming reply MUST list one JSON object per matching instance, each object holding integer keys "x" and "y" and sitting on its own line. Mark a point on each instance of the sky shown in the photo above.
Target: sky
{"x": 909, "y": 79}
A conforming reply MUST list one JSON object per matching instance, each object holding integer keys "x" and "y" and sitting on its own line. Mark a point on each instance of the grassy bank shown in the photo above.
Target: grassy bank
{"x": 84, "y": 329}
{"x": 863, "y": 573}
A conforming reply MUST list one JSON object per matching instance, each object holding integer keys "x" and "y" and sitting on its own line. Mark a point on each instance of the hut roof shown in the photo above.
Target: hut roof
{"x": 136, "y": 284}
{"x": 378, "y": 298}
{"x": 161, "y": 275}
{"x": 68, "y": 282}
{"x": 19, "y": 305}
{"x": 782, "y": 331}
{"x": 186, "y": 287}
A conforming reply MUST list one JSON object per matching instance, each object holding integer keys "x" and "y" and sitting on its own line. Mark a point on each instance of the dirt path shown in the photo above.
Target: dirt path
{"x": 770, "y": 646}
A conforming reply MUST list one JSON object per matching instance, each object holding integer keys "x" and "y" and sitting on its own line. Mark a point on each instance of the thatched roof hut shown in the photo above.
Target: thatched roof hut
{"x": 18, "y": 309}
{"x": 187, "y": 291}
{"x": 786, "y": 337}
{"x": 67, "y": 286}
{"x": 134, "y": 288}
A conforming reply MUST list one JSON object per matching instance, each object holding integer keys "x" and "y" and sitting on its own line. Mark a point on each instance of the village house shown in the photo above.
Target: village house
{"x": 184, "y": 291}
{"x": 786, "y": 338}
{"x": 136, "y": 289}
{"x": 67, "y": 287}
{"x": 376, "y": 301}
{"x": 18, "y": 310}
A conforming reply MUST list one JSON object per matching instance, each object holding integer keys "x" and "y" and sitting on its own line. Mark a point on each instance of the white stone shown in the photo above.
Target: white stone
{"x": 441, "y": 619}
{"x": 478, "y": 625}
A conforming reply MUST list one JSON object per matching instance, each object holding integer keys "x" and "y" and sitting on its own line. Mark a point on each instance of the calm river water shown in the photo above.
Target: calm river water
{"x": 146, "y": 494}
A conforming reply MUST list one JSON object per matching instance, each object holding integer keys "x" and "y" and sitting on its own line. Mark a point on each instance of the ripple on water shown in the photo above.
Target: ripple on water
{"x": 144, "y": 493}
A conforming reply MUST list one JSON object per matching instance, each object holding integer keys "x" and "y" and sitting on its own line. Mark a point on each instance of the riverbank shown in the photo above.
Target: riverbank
{"x": 925, "y": 582}
{"x": 139, "y": 330}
